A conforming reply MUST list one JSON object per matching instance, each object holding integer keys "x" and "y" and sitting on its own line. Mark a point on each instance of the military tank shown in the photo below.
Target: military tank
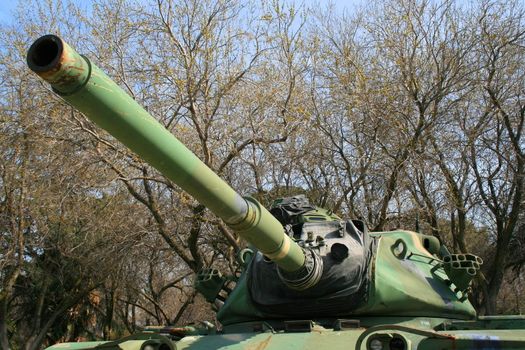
{"x": 310, "y": 279}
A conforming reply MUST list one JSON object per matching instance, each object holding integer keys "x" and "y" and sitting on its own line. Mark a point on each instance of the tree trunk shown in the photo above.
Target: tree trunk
{"x": 4, "y": 341}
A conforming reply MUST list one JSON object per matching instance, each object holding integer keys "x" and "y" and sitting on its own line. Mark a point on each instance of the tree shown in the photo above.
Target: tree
{"x": 496, "y": 148}
{"x": 404, "y": 110}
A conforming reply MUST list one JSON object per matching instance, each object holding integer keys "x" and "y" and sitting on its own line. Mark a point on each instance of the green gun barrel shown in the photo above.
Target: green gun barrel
{"x": 85, "y": 87}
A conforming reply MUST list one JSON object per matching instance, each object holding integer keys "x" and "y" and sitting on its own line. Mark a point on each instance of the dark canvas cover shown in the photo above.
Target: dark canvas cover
{"x": 343, "y": 285}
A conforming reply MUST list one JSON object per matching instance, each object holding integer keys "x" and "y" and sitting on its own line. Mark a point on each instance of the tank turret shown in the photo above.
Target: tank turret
{"x": 308, "y": 269}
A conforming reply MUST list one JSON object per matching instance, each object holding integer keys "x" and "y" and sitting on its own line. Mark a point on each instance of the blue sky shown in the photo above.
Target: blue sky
{"x": 8, "y": 6}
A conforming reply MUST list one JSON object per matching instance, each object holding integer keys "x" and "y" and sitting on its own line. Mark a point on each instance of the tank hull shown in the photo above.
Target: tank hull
{"x": 416, "y": 333}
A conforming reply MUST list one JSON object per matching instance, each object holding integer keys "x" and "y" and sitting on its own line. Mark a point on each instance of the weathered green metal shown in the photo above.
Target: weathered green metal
{"x": 84, "y": 86}
{"x": 412, "y": 284}
{"x": 416, "y": 297}
{"x": 418, "y": 333}
{"x": 140, "y": 341}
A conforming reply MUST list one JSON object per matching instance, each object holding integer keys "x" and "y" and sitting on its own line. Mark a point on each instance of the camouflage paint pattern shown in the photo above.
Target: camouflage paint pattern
{"x": 415, "y": 334}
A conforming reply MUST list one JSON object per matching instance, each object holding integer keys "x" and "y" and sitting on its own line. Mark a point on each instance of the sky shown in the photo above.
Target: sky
{"x": 8, "y": 6}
